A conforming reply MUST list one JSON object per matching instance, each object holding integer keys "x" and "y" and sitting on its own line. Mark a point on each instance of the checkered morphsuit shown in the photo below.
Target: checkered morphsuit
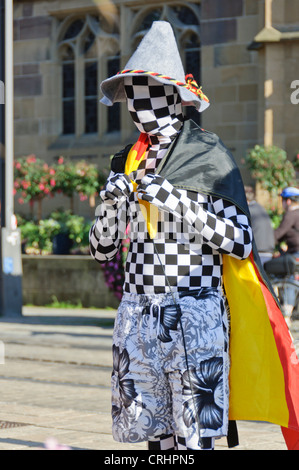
{"x": 199, "y": 228}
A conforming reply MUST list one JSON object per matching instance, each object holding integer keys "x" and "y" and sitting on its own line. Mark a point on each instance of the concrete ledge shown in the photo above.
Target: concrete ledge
{"x": 73, "y": 278}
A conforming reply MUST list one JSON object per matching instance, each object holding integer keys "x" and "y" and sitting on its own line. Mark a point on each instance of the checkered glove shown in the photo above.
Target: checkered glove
{"x": 109, "y": 230}
{"x": 158, "y": 191}
{"x": 118, "y": 187}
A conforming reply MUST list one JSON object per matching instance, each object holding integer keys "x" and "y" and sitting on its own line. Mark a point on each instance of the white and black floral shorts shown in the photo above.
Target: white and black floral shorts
{"x": 170, "y": 366}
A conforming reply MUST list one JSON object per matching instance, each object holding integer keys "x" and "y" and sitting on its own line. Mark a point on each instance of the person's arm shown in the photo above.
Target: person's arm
{"x": 111, "y": 218}
{"x": 284, "y": 227}
{"x": 227, "y": 230}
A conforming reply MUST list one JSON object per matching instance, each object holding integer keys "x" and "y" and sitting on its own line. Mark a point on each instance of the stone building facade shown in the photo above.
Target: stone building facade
{"x": 244, "y": 53}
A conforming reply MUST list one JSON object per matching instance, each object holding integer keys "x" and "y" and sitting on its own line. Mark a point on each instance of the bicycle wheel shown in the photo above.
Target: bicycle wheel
{"x": 288, "y": 295}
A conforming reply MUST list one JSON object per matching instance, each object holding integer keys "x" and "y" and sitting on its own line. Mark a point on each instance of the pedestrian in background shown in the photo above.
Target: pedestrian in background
{"x": 261, "y": 226}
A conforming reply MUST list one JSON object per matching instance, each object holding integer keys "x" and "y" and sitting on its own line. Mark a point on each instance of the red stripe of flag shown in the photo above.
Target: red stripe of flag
{"x": 289, "y": 362}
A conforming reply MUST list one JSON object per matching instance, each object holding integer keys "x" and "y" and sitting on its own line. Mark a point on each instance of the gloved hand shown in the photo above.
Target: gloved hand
{"x": 158, "y": 191}
{"x": 117, "y": 188}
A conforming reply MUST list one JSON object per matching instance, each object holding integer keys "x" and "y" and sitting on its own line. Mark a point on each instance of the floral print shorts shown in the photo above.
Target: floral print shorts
{"x": 170, "y": 366}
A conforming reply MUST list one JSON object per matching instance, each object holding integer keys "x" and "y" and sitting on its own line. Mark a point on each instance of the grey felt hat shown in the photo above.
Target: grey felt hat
{"x": 157, "y": 56}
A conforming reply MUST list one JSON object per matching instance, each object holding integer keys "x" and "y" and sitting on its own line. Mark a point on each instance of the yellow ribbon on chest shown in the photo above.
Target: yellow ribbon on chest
{"x": 134, "y": 158}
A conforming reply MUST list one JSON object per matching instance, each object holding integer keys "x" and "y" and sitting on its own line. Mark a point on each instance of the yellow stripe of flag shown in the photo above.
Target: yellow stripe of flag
{"x": 257, "y": 383}
{"x": 149, "y": 211}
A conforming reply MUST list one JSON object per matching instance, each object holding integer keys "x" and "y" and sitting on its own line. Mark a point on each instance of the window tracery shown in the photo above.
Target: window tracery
{"x": 86, "y": 47}
{"x": 91, "y": 47}
{"x": 185, "y": 20}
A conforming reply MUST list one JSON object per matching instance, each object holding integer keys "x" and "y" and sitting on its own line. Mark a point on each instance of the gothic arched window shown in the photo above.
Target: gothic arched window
{"x": 185, "y": 21}
{"x": 88, "y": 48}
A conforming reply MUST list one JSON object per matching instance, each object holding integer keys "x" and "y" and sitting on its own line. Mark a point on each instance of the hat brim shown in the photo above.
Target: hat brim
{"x": 114, "y": 91}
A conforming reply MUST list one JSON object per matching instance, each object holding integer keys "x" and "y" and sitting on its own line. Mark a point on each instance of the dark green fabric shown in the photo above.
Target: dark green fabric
{"x": 199, "y": 161}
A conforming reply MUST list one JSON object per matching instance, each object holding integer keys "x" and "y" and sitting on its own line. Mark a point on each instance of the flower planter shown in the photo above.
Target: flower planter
{"x": 62, "y": 244}
{"x": 70, "y": 278}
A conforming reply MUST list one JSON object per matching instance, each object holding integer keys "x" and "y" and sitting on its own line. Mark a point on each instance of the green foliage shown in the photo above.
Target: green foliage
{"x": 63, "y": 304}
{"x": 275, "y": 216}
{"x": 270, "y": 167}
{"x": 34, "y": 179}
{"x": 296, "y": 162}
{"x": 74, "y": 225}
{"x": 37, "y": 237}
{"x": 81, "y": 177}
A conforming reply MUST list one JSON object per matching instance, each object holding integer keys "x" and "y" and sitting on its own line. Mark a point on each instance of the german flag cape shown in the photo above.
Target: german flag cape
{"x": 264, "y": 373}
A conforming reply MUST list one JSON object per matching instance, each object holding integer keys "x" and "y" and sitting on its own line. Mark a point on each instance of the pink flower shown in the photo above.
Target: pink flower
{"x": 21, "y": 200}
{"x": 18, "y": 165}
{"x": 52, "y": 171}
{"x": 41, "y": 186}
{"x": 60, "y": 160}
{"x": 53, "y": 444}
{"x": 52, "y": 182}
{"x": 31, "y": 159}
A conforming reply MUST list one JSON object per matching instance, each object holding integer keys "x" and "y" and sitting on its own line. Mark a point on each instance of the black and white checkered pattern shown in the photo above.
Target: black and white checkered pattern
{"x": 207, "y": 443}
{"x": 225, "y": 236}
{"x": 173, "y": 442}
{"x": 194, "y": 230}
{"x": 164, "y": 442}
{"x": 155, "y": 108}
{"x": 117, "y": 188}
{"x": 189, "y": 263}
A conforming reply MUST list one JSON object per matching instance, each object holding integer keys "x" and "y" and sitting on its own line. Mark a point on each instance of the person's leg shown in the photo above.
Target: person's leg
{"x": 198, "y": 372}
{"x": 141, "y": 396}
{"x": 172, "y": 442}
{"x": 207, "y": 443}
{"x": 165, "y": 442}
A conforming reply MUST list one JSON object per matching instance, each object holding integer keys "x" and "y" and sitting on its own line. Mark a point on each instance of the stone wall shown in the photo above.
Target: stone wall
{"x": 35, "y": 101}
{"x": 38, "y": 95}
{"x": 230, "y": 72}
{"x": 229, "y": 77}
{"x": 249, "y": 88}
{"x": 281, "y": 69}
{"x": 69, "y": 278}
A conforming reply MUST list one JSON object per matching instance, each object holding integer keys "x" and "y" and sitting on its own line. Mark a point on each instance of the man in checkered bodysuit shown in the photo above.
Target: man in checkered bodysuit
{"x": 170, "y": 344}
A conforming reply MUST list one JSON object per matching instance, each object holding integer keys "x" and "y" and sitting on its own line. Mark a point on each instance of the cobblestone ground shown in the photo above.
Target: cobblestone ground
{"x": 55, "y": 383}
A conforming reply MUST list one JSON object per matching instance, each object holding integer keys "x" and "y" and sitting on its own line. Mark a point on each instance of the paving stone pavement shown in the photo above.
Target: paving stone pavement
{"x": 55, "y": 383}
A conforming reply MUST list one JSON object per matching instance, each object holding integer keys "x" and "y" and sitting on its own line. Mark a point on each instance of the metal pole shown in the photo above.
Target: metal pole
{"x": 11, "y": 260}
{"x": 2, "y": 119}
{"x": 9, "y": 113}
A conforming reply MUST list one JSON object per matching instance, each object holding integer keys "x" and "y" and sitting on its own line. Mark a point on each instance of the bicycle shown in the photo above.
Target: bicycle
{"x": 284, "y": 277}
